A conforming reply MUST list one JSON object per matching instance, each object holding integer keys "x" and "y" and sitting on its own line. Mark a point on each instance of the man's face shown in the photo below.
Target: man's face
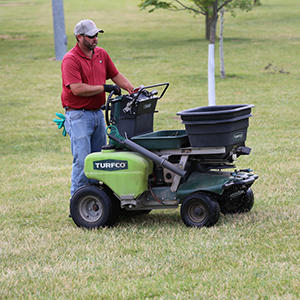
{"x": 90, "y": 42}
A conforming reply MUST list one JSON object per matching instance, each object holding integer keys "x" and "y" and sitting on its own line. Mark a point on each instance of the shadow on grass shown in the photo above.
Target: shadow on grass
{"x": 171, "y": 217}
{"x": 238, "y": 40}
{"x": 171, "y": 42}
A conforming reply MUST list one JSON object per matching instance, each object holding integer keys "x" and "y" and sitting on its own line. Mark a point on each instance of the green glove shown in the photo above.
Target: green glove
{"x": 60, "y": 122}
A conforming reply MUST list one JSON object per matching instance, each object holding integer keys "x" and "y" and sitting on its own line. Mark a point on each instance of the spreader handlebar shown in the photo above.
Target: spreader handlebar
{"x": 142, "y": 94}
{"x": 145, "y": 88}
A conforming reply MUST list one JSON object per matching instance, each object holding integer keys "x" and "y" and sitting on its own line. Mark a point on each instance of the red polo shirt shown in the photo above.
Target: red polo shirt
{"x": 76, "y": 67}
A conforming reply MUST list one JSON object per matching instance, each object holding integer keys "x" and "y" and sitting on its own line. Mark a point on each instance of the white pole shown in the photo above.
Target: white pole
{"x": 211, "y": 75}
{"x": 60, "y": 37}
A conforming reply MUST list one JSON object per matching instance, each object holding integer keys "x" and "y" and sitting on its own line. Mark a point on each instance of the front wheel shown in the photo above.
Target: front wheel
{"x": 90, "y": 207}
{"x": 199, "y": 210}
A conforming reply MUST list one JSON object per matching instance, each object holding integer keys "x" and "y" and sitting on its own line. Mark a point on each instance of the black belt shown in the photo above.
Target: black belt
{"x": 83, "y": 109}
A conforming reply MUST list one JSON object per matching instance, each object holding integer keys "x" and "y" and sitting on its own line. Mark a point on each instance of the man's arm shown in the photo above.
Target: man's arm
{"x": 86, "y": 90}
{"x": 121, "y": 81}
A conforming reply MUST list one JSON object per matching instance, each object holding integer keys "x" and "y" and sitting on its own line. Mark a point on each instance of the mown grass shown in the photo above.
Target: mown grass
{"x": 43, "y": 255}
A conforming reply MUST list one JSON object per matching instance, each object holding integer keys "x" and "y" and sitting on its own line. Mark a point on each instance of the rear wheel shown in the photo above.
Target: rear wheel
{"x": 238, "y": 205}
{"x": 91, "y": 207}
{"x": 199, "y": 210}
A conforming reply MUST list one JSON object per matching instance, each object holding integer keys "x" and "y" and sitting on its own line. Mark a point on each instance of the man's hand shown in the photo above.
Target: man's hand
{"x": 135, "y": 90}
{"x": 109, "y": 88}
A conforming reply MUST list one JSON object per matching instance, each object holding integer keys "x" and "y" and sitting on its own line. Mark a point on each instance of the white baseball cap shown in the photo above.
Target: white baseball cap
{"x": 86, "y": 27}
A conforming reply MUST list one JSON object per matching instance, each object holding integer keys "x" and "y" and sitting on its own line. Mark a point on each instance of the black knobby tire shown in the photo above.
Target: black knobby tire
{"x": 238, "y": 205}
{"x": 199, "y": 210}
{"x": 116, "y": 207}
{"x": 90, "y": 207}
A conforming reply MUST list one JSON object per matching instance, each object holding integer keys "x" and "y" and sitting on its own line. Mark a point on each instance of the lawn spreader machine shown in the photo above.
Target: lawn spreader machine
{"x": 141, "y": 170}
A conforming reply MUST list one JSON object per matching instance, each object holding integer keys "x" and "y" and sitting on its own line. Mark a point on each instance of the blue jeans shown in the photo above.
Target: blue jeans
{"x": 87, "y": 134}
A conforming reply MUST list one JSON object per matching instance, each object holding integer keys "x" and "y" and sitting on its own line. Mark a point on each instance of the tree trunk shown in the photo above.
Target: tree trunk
{"x": 207, "y": 26}
{"x": 213, "y": 23}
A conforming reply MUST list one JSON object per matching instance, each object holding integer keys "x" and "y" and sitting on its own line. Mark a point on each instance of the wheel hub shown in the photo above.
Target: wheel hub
{"x": 197, "y": 213}
{"x": 90, "y": 209}
{"x": 95, "y": 207}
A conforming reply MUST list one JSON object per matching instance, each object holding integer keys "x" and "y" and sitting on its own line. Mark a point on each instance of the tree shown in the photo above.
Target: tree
{"x": 210, "y": 9}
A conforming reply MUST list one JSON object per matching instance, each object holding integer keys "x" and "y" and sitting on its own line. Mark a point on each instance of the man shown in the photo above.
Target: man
{"x": 85, "y": 69}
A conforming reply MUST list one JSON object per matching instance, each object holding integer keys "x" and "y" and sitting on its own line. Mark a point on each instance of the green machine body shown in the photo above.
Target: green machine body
{"x": 124, "y": 172}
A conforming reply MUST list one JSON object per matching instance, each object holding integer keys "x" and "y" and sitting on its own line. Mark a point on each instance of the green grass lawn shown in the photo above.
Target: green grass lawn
{"x": 43, "y": 255}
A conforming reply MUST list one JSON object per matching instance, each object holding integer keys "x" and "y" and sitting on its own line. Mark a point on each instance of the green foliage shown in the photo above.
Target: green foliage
{"x": 157, "y": 4}
{"x": 243, "y": 5}
{"x": 204, "y": 7}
